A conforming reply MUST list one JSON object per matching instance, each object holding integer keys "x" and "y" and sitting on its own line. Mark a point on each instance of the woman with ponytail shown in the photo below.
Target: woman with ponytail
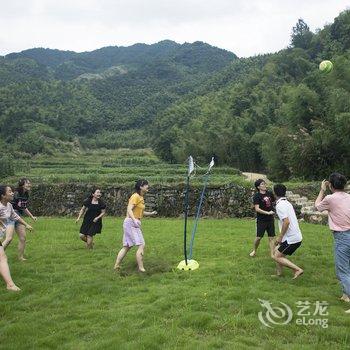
{"x": 133, "y": 235}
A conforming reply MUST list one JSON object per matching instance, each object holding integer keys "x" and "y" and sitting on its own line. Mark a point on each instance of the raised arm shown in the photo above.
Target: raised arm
{"x": 321, "y": 195}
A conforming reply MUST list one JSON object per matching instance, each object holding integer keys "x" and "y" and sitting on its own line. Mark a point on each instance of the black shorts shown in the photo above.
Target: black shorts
{"x": 268, "y": 226}
{"x": 288, "y": 249}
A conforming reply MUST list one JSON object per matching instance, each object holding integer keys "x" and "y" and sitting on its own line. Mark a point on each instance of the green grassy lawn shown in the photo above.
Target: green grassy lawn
{"x": 72, "y": 299}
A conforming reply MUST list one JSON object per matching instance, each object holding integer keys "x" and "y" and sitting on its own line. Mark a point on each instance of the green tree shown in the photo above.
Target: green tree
{"x": 301, "y": 35}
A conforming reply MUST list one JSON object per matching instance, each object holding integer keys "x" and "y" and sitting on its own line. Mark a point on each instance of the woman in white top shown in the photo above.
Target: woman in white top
{"x": 7, "y": 213}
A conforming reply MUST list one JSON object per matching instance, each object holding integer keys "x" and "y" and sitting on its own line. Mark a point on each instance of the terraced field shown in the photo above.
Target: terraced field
{"x": 120, "y": 167}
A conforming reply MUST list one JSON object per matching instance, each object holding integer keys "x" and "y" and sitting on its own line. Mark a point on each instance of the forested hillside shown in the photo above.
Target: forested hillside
{"x": 276, "y": 113}
{"x": 51, "y": 99}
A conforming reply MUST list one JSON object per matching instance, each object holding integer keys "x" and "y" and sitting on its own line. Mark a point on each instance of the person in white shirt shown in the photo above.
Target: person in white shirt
{"x": 290, "y": 237}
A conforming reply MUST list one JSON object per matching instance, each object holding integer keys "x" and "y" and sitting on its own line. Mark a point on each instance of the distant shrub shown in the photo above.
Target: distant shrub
{"x": 130, "y": 161}
{"x": 6, "y": 166}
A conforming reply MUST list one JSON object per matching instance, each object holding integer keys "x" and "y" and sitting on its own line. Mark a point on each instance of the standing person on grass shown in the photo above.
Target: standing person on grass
{"x": 7, "y": 213}
{"x": 290, "y": 236}
{"x": 20, "y": 205}
{"x": 263, "y": 204}
{"x": 132, "y": 225}
{"x": 93, "y": 210}
{"x": 338, "y": 206}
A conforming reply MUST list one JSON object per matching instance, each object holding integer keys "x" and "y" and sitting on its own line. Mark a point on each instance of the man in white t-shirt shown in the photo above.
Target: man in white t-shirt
{"x": 290, "y": 236}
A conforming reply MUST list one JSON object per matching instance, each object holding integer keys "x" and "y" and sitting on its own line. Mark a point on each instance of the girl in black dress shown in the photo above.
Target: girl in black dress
{"x": 93, "y": 210}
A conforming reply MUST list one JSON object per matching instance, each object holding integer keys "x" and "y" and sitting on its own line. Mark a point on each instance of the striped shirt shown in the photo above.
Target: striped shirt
{"x": 7, "y": 212}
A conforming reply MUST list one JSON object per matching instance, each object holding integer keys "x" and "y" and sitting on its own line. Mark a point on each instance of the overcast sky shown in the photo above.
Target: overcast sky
{"x": 245, "y": 27}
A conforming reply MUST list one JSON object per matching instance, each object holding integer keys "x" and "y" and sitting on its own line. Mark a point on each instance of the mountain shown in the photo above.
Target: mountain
{"x": 101, "y": 98}
{"x": 276, "y": 113}
{"x": 67, "y": 65}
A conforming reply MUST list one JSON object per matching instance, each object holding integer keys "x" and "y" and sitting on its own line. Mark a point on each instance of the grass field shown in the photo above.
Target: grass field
{"x": 72, "y": 299}
{"x": 114, "y": 167}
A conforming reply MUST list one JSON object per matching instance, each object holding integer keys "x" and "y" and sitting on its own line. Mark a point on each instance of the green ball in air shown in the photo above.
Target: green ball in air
{"x": 326, "y": 66}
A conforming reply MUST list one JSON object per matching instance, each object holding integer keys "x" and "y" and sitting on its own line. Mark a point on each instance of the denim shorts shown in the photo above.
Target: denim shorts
{"x": 14, "y": 223}
{"x": 11, "y": 223}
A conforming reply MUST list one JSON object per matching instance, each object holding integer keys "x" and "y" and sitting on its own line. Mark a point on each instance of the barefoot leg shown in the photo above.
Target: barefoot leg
{"x": 282, "y": 260}
{"x": 10, "y": 231}
{"x": 139, "y": 257}
{"x": 21, "y": 232}
{"x": 256, "y": 245}
{"x": 5, "y": 271}
{"x": 120, "y": 257}
{"x": 89, "y": 242}
{"x": 272, "y": 246}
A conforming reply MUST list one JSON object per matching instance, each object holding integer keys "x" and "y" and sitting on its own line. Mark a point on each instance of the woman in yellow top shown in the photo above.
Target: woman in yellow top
{"x": 132, "y": 225}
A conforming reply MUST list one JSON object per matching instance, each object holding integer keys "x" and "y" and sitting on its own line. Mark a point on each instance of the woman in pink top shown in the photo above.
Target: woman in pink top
{"x": 338, "y": 206}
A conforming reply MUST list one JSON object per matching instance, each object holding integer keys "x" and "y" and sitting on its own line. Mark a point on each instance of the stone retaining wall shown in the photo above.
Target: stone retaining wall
{"x": 66, "y": 199}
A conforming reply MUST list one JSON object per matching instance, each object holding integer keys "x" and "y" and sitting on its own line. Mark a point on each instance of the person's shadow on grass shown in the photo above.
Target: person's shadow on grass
{"x": 152, "y": 268}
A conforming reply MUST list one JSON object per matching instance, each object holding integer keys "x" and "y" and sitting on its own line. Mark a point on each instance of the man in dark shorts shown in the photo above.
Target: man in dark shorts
{"x": 290, "y": 236}
{"x": 263, "y": 204}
